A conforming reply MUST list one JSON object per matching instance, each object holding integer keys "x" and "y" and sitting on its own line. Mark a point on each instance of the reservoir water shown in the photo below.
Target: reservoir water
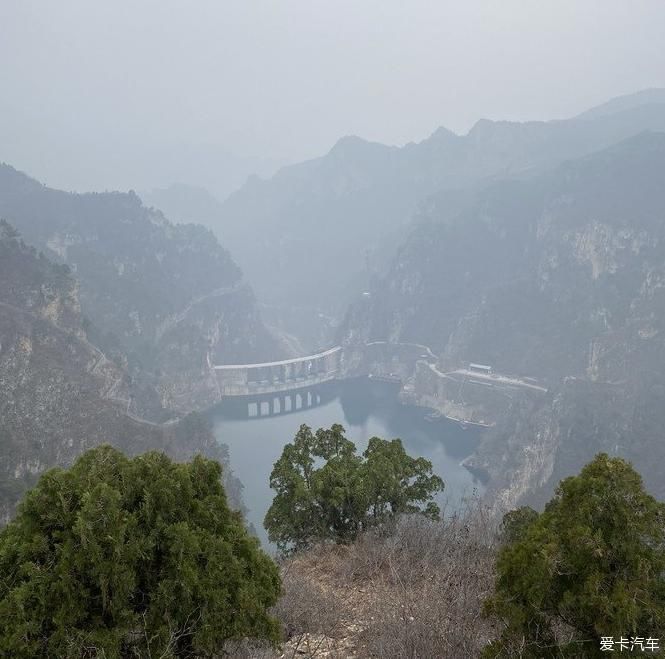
{"x": 366, "y": 409}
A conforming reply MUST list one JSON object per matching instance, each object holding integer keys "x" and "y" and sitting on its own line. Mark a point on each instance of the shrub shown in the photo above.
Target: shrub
{"x": 131, "y": 557}
{"x": 591, "y": 565}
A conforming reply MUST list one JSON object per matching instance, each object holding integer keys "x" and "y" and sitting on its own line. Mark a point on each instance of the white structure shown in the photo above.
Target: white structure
{"x": 284, "y": 375}
{"x": 480, "y": 368}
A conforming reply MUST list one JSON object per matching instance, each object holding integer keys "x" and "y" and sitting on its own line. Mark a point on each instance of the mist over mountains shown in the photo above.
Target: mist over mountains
{"x": 570, "y": 249}
{"x": 332, "y": 330}
{"x": 60, "y": 393}
{"x": 347, "y": 211}
{"x": 511, "y": 279}
{"x": 161, "y": 297}
{"x": 557, "y": 278}
{"x": 534, "y": 247}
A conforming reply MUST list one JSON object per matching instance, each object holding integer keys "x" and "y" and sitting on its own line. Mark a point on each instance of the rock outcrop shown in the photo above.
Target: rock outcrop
{"x": 158, "y": 297}
{"x": 323, "y": 229}
{"x": 559, "y": 278}
{"x": 59, "y": 394}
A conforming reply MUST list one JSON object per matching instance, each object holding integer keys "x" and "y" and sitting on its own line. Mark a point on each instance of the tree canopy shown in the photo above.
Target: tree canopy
{"x": 120, "y": 557}
{"x": 515, "y": 523}
{"x": 326, "y": 491}
{"x": 590, "y": 566}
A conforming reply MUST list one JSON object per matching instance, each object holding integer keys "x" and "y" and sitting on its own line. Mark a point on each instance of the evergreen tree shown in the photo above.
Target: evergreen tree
{"x": 325, "y": 491}
{"x": 120, "y": 557}
{"x": 515, "y": 523}
{"x": 590, "y": 566}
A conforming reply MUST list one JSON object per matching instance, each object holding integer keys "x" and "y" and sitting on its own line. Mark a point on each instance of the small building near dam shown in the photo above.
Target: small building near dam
{"x": 480, "y": 368}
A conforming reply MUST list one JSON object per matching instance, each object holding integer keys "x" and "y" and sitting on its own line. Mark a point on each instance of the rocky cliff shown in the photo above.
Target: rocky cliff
{"x": 159, "y": 297}
{"x": 322, "y": 229}
{"x": 560, "y": 278}
{"x": 60, "y": 395}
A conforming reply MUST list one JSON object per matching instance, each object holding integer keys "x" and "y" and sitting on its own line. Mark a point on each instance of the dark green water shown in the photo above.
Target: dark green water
{"x": 365, "y": 409}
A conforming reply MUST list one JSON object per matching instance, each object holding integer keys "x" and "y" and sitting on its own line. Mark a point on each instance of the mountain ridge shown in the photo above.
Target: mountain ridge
{"x": 60, "y": 395}
{"x": 159, "y": 296}
{"x": 371, "y": 194}
{"x": 558, "y": 278}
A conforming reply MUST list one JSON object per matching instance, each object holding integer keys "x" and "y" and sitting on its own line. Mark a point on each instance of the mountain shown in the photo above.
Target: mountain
{"x": 317, "y": 233}
{"x": 560, "y": 278}
{"x": 563, "y": 257}
{"x": 654, "y": 96}
{"x": 84, "y": 163}
{"x": 61, "y": 395}
{"x": 167, "y": 296}
{"x": 185, "y": 203}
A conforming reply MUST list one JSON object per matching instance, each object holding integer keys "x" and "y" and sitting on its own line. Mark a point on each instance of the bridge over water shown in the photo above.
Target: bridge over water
{"x": 277, "y": 387}
{"x": 292, "y": 384}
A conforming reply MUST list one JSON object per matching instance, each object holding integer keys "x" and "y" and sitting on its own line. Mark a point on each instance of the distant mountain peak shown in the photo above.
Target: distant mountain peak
{"x": 442, "y": 134}
{"x": 654, "y": 95}
{"x": 481, "y": 126}
{"x": 347, "y": 143}
{"x": 352, "y": 146}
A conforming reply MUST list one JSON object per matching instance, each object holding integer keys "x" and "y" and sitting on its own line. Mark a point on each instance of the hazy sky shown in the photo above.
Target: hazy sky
{"x": 94, "y": 93}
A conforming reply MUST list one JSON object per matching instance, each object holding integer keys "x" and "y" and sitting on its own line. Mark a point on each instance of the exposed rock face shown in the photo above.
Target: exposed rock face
{"x": 159, "y": 296}
{"x": 543, "y": 441}
{"x": 322, "y": 229}
{"x": 59, "y": 395}
{"x": 560, "y": 278}
{"x": 529, "y": 273}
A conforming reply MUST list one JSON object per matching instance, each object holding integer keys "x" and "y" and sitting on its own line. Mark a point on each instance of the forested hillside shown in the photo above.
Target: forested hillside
{"x": 558, "y": 278}
{"x": 60, "y": 395}
{"x": 163, "y": 295}
{"x": 344, "y": 214}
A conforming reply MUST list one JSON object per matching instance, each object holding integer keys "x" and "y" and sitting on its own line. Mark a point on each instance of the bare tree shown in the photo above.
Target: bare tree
{"x": 413, "y": 590}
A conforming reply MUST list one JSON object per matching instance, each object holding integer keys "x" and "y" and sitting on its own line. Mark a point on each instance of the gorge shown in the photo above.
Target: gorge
{"x": 534, "y": 249}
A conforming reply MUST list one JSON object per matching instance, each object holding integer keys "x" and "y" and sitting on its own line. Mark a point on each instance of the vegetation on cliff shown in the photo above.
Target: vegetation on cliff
{"x": 144, "y": 557}
{"x": 156, "y": 295}
{"x": 60, "y": 394}
{"x": 558, "y": 277}
{"x": 415, "y": 592}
